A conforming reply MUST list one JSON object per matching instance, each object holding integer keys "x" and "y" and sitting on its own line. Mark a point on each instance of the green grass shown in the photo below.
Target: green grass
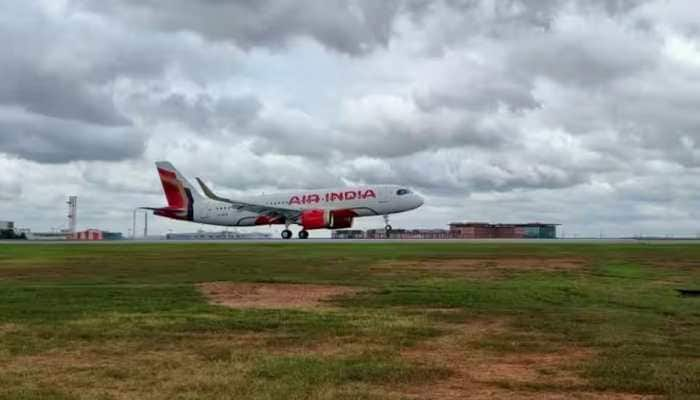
{"x": 126, "y": 321}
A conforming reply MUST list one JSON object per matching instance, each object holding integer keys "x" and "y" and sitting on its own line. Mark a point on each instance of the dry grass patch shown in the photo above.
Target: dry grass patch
{"x": 276, "y": 295}
{"x": 480, "y": 268}
{"x": 200, "y": 366}
{"x": 8, "y": 328}
{"x": 89, "y": 373}
{"x": 481, "y": 374}
{"x": 197, "y": 366}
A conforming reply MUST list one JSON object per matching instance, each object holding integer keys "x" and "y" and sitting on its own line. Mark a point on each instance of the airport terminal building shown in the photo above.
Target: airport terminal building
{"x": 481, "y": 230}
{"x": 458, "y": 230}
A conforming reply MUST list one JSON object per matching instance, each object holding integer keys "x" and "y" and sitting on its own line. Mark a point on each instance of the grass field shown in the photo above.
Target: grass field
{"x": 433, "y": 320}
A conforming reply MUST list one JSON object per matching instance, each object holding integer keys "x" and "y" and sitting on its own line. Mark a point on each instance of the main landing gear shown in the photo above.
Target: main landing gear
{"x": 387, "y": 227}
{"x": 287, "y": 234}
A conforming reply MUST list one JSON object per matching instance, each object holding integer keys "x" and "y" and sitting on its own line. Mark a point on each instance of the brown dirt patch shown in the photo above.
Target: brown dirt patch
{"x": 8, "y": 328}
{"x": 275, "y": 295}
{"x": 480, "y": 268}
{"x": 480, "y": 374}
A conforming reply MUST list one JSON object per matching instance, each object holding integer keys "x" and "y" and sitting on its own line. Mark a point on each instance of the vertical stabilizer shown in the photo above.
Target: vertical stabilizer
{"x": 180, "y": 194}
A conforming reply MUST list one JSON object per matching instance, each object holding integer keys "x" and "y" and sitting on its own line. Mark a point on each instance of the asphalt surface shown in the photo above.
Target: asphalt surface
{"x": 351, "y": 241}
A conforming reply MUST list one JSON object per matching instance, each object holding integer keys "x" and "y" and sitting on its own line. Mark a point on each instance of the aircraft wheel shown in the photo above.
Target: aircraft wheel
{"x": 388, "y": 228}
{"x": 286, "y": 234}
{"x": 303, "y": 234}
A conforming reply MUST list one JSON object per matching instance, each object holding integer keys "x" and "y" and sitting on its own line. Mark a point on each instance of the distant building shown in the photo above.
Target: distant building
{"x": 8, "y": 231}
{"x": 427, "y": 234}
{"x": 223, "y": 235}
{"x": 348, "y": 234}
{"x": 394, "y": 234}
{"x": 112, "y": 235}
{"x": 7, "y": 225}
{"x": 47, "y": 236}
{"x": 471, "y": 230}
{"x": 89, "y": 234}
{"x": 376, "y": 234}
{"x": 480, "y": 230}
{"x": 23, "y": 231}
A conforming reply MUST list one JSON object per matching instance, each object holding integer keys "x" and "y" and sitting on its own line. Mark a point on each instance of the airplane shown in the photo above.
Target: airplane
{"x": 312, "y": 209}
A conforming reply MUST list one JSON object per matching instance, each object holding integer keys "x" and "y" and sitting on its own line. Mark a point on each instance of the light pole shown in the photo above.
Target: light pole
{"x": 145, "y": 222}
{"x": 133, "y": 224}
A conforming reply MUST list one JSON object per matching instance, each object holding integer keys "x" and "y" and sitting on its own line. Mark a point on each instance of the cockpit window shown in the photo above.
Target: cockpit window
{"x": 402, "y": 192}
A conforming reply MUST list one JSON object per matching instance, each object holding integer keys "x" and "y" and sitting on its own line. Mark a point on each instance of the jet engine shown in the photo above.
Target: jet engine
{"x": 315, "y": 219}
{"x": 341, "y": 219}
{"x": 323, "y": 219}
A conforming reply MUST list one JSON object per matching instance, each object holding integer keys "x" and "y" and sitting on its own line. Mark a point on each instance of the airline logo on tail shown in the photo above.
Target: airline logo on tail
{"x": 178, "y": 192}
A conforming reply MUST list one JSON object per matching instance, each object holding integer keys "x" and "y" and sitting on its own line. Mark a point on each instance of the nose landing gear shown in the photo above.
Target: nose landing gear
{"x": 387, "y": 226}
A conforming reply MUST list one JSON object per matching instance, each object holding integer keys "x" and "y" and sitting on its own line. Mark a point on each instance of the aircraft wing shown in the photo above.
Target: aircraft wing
{"x": 262, "y": 209}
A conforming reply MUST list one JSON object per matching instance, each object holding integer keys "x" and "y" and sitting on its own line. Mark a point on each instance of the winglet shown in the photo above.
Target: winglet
{"x": 208, "y": 192}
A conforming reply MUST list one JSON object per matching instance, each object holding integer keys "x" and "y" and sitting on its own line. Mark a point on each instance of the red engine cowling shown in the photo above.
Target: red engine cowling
{"x": 315, "y": 219}
{"x": 341, "y": 219}
{"x": 321, "y": 219}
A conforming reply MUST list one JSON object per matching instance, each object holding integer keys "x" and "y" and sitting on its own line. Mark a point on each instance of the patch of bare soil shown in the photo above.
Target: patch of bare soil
{"x": 8, "y": 328}
{"x": 480, "y": 268}
{"x": 479, "y": 374}
{"x": 272, "y": 295}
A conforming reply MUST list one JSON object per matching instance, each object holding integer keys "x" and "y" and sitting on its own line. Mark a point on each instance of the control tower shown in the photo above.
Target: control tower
{"x": 72, "y": 214}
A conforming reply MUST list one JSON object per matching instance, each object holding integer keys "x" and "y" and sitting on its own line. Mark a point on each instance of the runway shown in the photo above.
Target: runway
{"x": 329, "y": 241}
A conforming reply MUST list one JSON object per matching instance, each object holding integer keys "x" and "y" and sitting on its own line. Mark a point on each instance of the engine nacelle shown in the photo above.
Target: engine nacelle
{"x": 341, "y": 219}
{"x": 323, "y": 219}
{"x": 315, "y": 219}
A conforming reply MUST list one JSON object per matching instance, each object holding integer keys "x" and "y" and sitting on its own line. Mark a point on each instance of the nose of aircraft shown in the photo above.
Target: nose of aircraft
{"x": 419, "y": 201}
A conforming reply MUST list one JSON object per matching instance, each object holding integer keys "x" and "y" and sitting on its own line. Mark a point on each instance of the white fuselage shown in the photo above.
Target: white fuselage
{"x": 363, "y": 201}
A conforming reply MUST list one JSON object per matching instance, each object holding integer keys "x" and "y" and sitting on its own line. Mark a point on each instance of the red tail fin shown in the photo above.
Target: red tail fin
{"x": 174, "y": 190}
{"x": 179, "y": 193}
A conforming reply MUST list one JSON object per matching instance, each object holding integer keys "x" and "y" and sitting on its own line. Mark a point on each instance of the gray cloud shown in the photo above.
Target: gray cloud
{"x": 10, "y": 189}
{"x": 584, "y": 55}
{"x": 478, "y": 86}
{"x": 393, "y": 127}
{"x": 377, "y": 126}
{"x": 201, "y": 113}
{"x": 461, "y": 171}
{"x": 479, "y": 97}
{"x": 59, "y": 97}
{"x": 539, "y": 13}
{"x": 39, "y": 75}
{"x": 67, "y": 74}
{"x": 50, "y": 140}
{"x": 352, "y": 27}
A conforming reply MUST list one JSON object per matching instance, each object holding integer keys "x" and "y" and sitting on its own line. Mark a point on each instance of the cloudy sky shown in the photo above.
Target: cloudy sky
{"x": 585, "y": 113}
